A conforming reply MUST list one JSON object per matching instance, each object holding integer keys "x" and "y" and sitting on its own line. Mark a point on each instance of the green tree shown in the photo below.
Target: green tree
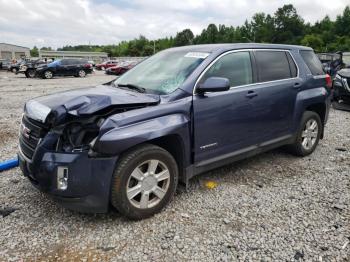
{"x": 184, "y": 37}
{"x": 289, "y": 25}
{"x": 263, "y": 28}
{"x": 342, "y": 23}
{"x": 314, "y": 41}
{"x": 34, "y": 52}
{"x": 44, "y": 48}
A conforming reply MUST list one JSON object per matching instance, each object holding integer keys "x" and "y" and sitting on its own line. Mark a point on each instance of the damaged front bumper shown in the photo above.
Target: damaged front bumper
{"x": 87, "y": 179}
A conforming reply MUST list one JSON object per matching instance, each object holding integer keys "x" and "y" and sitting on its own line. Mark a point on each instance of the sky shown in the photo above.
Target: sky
{"x": 57, "y": 23}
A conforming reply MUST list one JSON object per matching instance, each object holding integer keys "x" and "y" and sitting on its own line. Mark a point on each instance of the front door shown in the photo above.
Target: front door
{"x": 224, "y": 122}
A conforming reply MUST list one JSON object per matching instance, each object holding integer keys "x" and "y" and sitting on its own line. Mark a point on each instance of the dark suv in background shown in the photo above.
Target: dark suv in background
{"x": 65, "y": 67}
{"x": 179, "y": 113}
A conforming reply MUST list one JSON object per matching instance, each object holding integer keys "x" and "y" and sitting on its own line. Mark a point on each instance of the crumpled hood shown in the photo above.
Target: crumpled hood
{"x": 86, "y": 101}
{"x": 344, "y": 72}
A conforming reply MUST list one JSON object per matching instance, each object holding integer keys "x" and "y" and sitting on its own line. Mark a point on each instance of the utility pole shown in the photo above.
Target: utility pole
{"x": 154, "y": 46}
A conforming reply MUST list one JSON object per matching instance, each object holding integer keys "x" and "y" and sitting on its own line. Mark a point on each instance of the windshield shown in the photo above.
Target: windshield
{"x": 164, "y": 72}
{"x": 346, "y": 59}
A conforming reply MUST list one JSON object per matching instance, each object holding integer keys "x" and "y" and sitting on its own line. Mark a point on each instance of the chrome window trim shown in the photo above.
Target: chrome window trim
{"x": 248, "y": 50}
{"x": 319, "y": 76}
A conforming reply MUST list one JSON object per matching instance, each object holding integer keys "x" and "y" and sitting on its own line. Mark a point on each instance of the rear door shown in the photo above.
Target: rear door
{"x": 73, "y": 67}
{"x": 61, "y": 67}
{"x": 278, "y": 85}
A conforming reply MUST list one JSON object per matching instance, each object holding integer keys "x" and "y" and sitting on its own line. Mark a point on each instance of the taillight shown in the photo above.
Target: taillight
{"x": 328, "y": 81}
{"x": 87, "y": 65}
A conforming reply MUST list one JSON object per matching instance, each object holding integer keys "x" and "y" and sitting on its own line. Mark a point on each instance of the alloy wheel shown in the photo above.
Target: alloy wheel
{"x": 31, "y": 73}
{"x": 148, "y": 184}
{"x": 82, "y": 73}
{"x": 309, "y": 134}
{"x": 48, "y": 74}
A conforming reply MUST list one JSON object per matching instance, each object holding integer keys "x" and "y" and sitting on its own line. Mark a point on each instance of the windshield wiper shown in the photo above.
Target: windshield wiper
{"x": 134, "y": 87}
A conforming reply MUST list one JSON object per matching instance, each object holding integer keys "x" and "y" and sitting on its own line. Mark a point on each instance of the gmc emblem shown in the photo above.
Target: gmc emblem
{"x": 25, "y": 131}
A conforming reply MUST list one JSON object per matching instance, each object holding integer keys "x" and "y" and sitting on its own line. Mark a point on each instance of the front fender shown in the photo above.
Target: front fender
{"x": 120, "y": 139}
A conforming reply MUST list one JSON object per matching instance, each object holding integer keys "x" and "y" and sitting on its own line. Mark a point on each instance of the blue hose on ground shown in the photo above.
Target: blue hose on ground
{"x": 8, "y": 164}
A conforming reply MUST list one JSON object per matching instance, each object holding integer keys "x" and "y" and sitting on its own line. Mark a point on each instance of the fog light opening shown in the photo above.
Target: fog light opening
{"x": 62, "y": 178}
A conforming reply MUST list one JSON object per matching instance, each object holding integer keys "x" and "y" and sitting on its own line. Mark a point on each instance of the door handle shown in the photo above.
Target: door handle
{"x": 251, "y": 94}
{"x": 297, "y": 85}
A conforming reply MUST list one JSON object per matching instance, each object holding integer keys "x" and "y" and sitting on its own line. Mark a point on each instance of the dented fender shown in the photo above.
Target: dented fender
{"x": 121, "y": 138}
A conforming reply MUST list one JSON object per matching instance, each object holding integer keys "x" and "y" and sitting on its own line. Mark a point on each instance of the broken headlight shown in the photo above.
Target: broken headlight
{"x": 79, "y": 136}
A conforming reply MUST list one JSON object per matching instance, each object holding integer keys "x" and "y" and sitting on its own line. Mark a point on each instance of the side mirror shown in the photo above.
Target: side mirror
{"x": 214, "y": 84}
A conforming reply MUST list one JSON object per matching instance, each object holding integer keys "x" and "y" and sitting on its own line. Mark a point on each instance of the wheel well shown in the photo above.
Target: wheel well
{"x": 320, "y": 109}
{"x": 174, "y": 145}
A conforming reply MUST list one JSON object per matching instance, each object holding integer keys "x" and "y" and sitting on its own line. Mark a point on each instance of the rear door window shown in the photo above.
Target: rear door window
{"x": 236, "y": 67}
{"x": 292, "y": 65}
{"x": 312, "y": 62}
{"x": 65, "y": 62}
{"x": 272, "y": 65}
{"x": 74, "y": 62}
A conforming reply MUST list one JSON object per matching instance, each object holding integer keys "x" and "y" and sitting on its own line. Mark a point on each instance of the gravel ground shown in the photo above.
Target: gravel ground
{"x": 272, "y": 207}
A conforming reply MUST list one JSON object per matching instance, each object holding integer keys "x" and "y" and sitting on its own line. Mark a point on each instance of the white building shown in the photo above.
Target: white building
{"x": 95, "y": 56}
{"x": 8, "y": 51}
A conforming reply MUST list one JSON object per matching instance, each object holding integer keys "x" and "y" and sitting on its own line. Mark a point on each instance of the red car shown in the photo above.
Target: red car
{"x": 106, "y": 64}
{"x": 120, "y": 69}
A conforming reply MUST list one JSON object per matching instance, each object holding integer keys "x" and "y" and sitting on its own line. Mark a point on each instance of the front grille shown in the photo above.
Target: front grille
{"x": 31, "y": 132}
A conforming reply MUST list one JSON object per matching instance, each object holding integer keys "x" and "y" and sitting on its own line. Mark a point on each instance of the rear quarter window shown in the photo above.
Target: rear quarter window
{"x": 273, "y": 65}
{"x": 312, "y": 62}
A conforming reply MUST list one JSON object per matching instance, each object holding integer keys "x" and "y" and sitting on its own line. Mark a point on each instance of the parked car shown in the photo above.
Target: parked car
{"x": 92, "y": 63}
{"x": 4, "y": 64}
{"x": 14, "y": 67}
{"x": 130, "y": 141}
{"x": 346, "y": 59}
{"x": 332, "y": 62}
{"x": 65, "y": 67}
{"x": 341, "y": 86}
{"x": 106, "y": 64}
{"x": 29, "y": 68}
{"x": 120, "y": 68}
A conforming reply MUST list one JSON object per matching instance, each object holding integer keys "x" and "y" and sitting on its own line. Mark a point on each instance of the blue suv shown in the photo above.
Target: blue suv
{"x": 177, "y": 114}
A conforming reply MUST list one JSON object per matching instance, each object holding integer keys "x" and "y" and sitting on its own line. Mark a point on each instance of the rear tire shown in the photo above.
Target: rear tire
{"x": 81, "y": 73}
{"x": 144, "y": 181}
{"x": 308, "y": 135}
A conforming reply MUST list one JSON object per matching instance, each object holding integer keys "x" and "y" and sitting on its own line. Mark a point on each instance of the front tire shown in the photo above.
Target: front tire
{"x": 144, "y": 181}
{"x": 308, "y": 135}
{"x": 30, "y": 73}
{"x": 48, "y": 74}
